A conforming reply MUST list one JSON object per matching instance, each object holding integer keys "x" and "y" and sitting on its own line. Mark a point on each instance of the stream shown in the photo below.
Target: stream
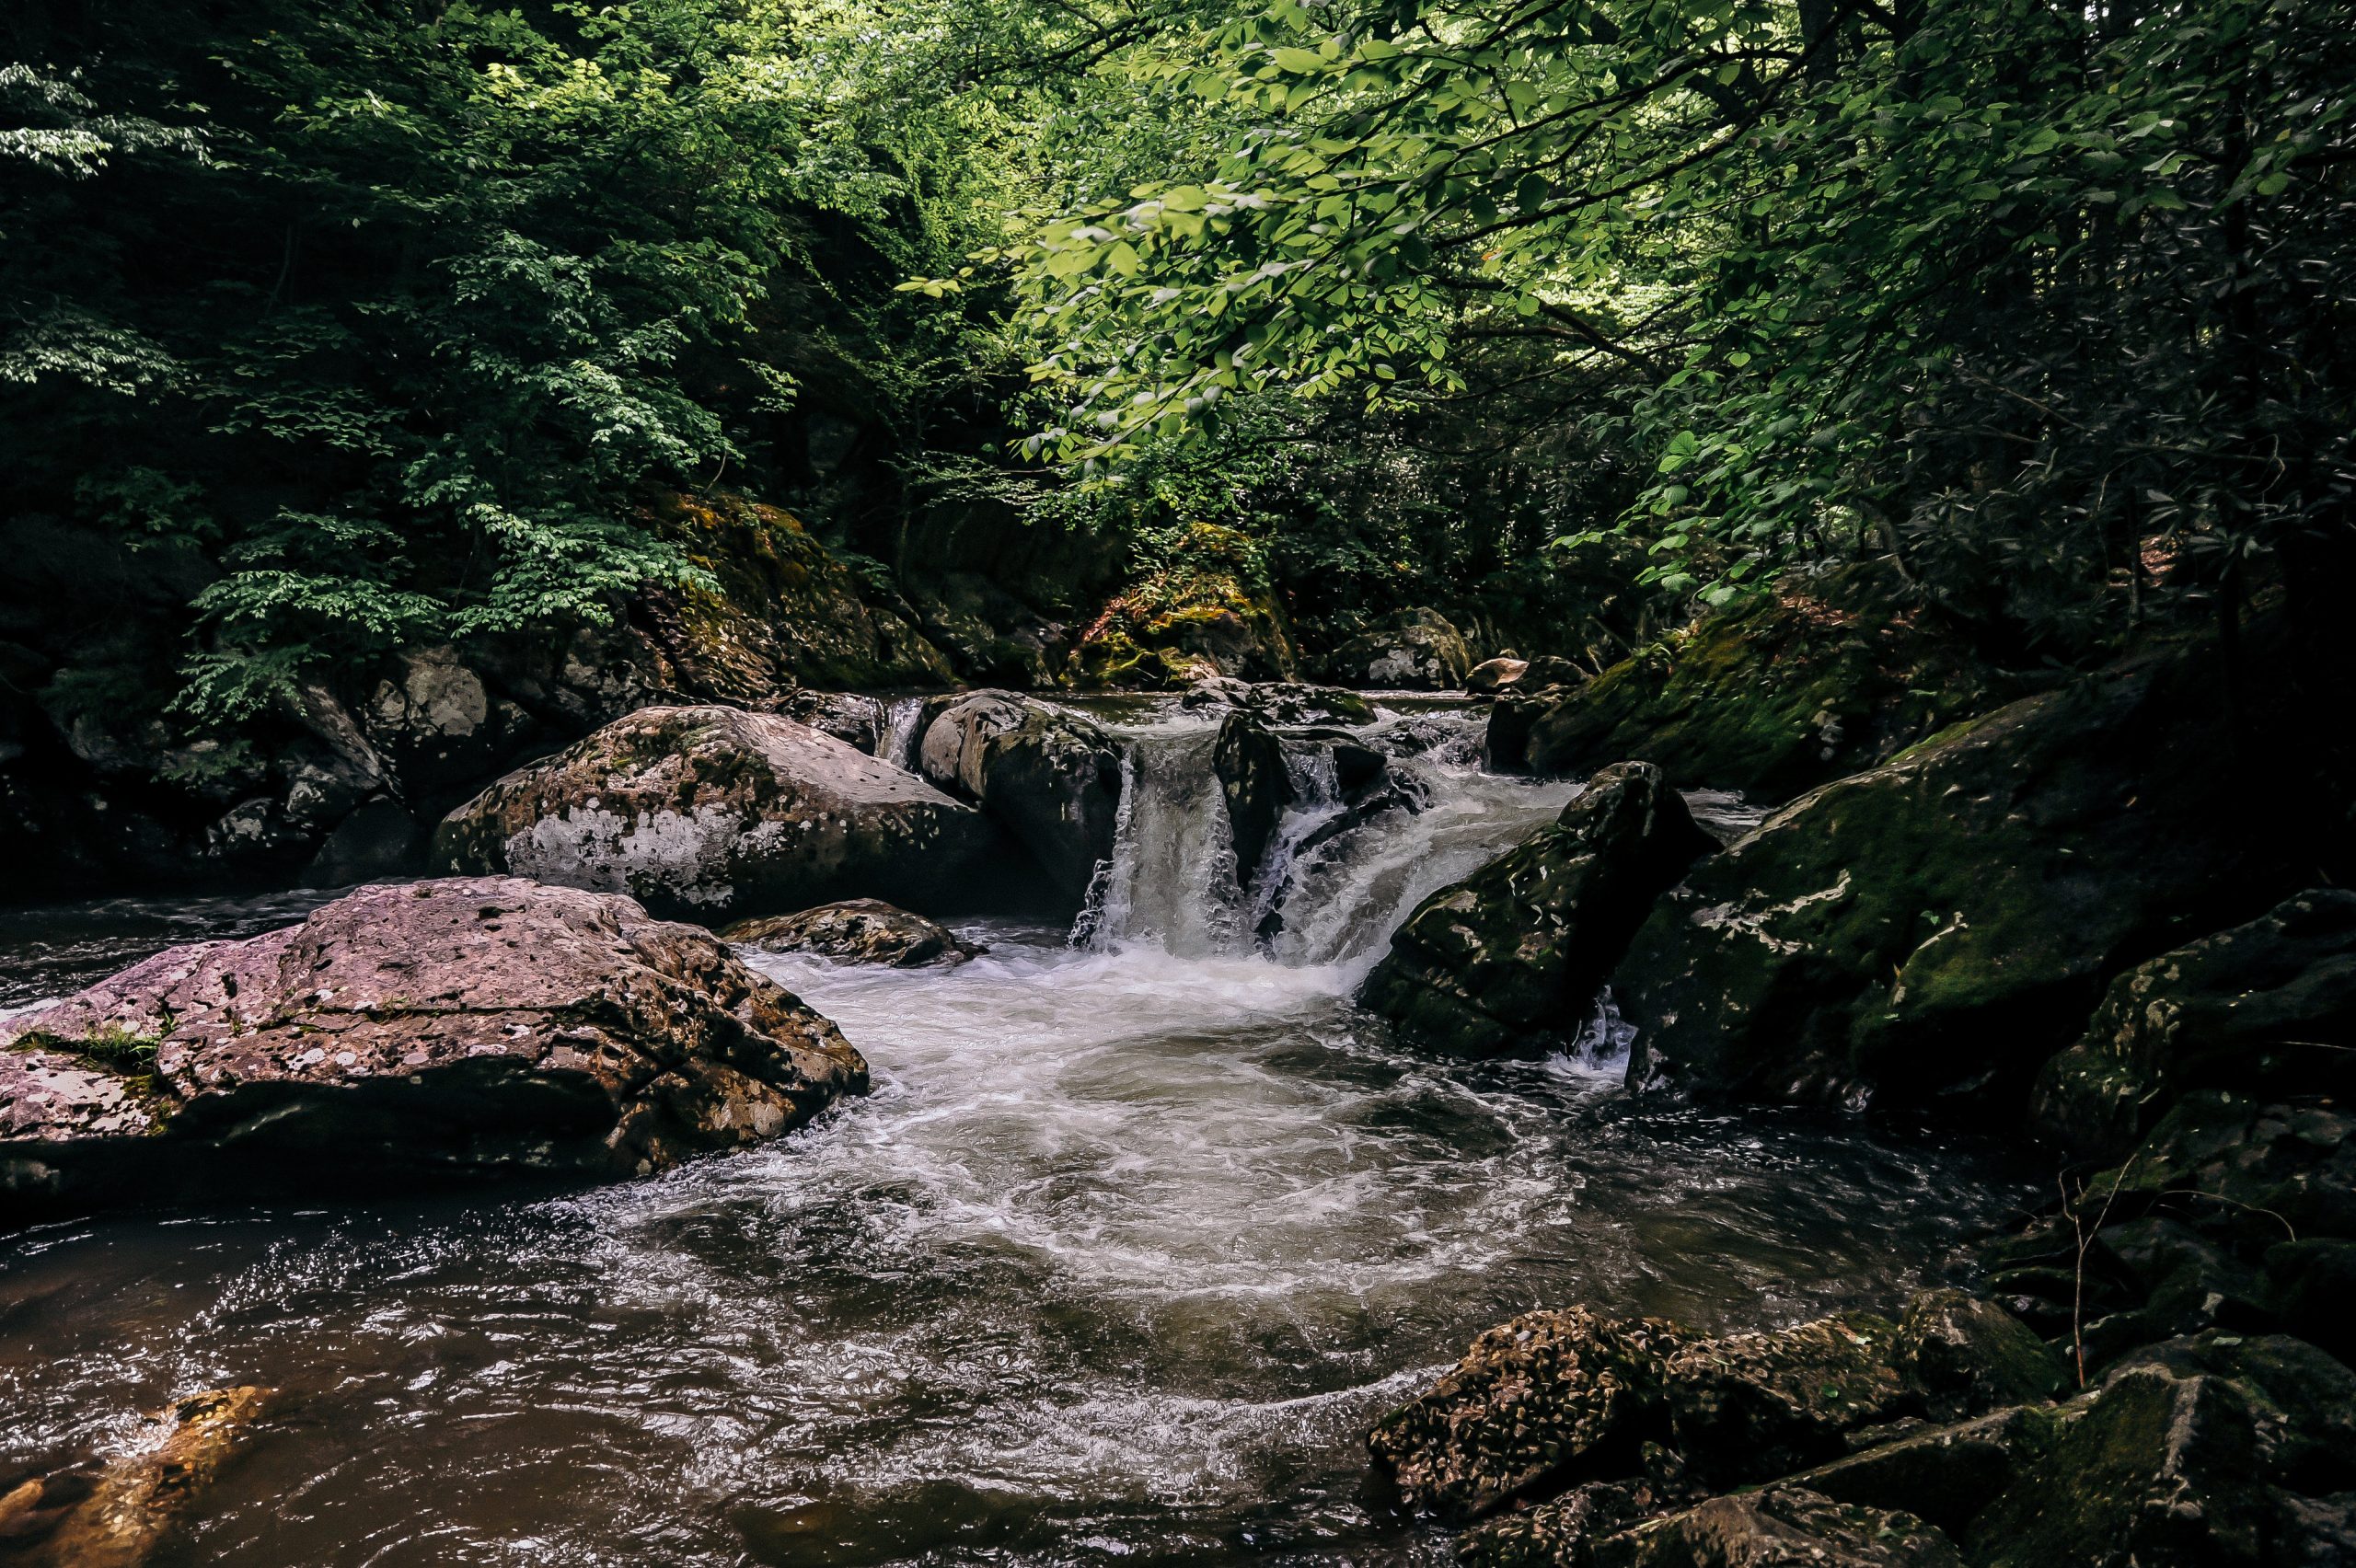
{"x": 1138, "y": 1232}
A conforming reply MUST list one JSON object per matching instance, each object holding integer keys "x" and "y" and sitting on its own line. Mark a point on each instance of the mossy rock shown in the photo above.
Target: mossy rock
{"x": 1823, "y": 678}
{"x": 1930, "y": 931}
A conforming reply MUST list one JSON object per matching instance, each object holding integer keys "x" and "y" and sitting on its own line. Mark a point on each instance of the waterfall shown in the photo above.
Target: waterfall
{"x": 896, "y": 738}
{"x": 1340, "y": 871}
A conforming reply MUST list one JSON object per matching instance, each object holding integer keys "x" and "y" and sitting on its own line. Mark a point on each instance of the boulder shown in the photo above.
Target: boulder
{"x": 1494, "y": 675}
{"x": 437, "y": 1031}
{"x": 1206, "y": 610}
{"x": 712, "y": 812}
{"x": 117, "y": 1515}
{"x": 1255, "y": 784}
{"x": 858, "y": 930}
{"x": 1748, "y": 1407}
{"x": 1535, "y": 1404}
{"x": 1927, "y": 933}
{"x": 1960, "y": 1355}
{"x": 1410, "y": 650}
{"x": 1822, "y": 677}
{"x": 434, "y": 719}
{"x": 1049, "y": 776}
{"x": 1562, "y": 1531}
{"x": 1514, "y": 955}
{"x": 1279, "y": 702}
{"x": 1780, "y": 1527}
{"x": 2266, "y": 1007}
{"x": 1944, "y": 1474}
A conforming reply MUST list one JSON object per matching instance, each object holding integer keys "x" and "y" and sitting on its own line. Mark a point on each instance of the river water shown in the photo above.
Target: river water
{"x": 1129, "y": 1245}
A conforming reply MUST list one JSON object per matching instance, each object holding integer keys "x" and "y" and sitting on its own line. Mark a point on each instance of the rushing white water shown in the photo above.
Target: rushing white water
{"x": 1117, "y": 1262}
{"x": 895, "y": 741}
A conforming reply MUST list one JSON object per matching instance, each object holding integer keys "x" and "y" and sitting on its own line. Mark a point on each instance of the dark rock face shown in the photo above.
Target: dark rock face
{"x": 1533, "y": 1404}
{"x": 1250, "y": 762}
{"x": 2266, "y": 1008}
{"x": 1412, "y": 651}
{"x": 711, "y": 812}
{"x": 1279, "y": 702}
{"x": 437, "y": 1031}
{"x": 1050, "y": 777}
{"x": 1960, "y": 1353}
{"x": 1930, "y": 931}
{"x": 1513, "y": 955}
{"x": 858, "y": 930}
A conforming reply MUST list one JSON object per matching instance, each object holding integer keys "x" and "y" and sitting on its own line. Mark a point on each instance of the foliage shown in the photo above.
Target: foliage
{"x": 2005, "y": 290}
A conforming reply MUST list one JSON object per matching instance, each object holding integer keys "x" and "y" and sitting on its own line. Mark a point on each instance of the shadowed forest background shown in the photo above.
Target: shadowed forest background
{"x": 697, "y": 341}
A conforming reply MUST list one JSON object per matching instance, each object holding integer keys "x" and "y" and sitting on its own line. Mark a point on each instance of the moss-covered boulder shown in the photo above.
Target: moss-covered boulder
{"x": 438, "y": 1031}
{"x": 717, "y": 813}
{"x": 1535, "y": 1404}
{"x": 1824, "y": 677}
{"x": 1779, "y": 1526}
{"x": 1418, "y": 649}
{"x": 858, "y": 930}
{"x": 1930, "y": 931}
{"x": 1049, "y": 776}
{"x": 2266, "y": 1007}
{"x": 1205, "y": 608}
{"x": 1514, "y": 955}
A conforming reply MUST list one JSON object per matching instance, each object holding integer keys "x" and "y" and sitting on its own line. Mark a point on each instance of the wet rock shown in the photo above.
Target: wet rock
{"x": 436, "y": 1032}
{"x": 1049, "y": 776}
{"x": 1960, "y": 1355}
{"x": 1943, "y": 1474}
{"x": 1514, "y": 955}
{"x": 2249, "y": 1172}
{"x": 711, "y": 812}
{"x": 858, "y": 930}
{"x": 1780, "y": 1527}
{"x": 119, "y": 1517}
{"x": 1250, "y": 762}
{"x": 855, "y": 720}
{"x": 1410, "y": 650}
{"x": 1534, "y": 1403}
{"x": 2153, "y": 1469}
{"x": 1281, "y": 702}
{"x": 1562, "y": 1531}
{"x": 2269, "y": 1006}
{"x": 1747, "y": 1407}
{"x": 1929, "y": 932}
{"x": 1494, "y": 675}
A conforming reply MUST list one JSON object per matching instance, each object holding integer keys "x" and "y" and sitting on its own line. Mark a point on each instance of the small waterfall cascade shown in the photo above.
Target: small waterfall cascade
{"x": 1342, "y": 868}
{"x": 897, "y": 736}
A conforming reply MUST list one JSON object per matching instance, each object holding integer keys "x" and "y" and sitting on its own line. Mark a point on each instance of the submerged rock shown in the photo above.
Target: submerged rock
{"x": 1050, "y": 777}
{"x": 1514, "y": 955}
{"x": 1409, "y": 650}
{"x": 2266, "y": 1008}
{"x": 858, "y": 930}
{"x": 117, "y": 1516}
{"x": 1930, "y": 931}
{"x": 713, "y": 812}
{"x": 434, "y": 1032}
{"x": 1534, "y": 1403}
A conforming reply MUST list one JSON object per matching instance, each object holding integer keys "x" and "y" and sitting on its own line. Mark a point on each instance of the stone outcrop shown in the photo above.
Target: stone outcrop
{"x": 858, "y": 930}
{"x": 2268, "y": 1008}
{"x": 714, "y": 812}
{"x": 1930, "y": 931}
{"x": 1514, "y": 955}
{"x": 1255, "y": 785}
{"x": 1047, "y": 776}
{"x": 434, "y": 1032}
{"x": 1410, "y": 650}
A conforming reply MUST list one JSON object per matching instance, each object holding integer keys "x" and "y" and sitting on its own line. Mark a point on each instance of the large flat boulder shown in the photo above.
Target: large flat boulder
{"x": 1928, "y": 932}
{"x": 1514, "y": 955}
{"x": 712, "y": 813}
{"x": 434, "y": 1032}
{"x": 1050, "y": 777}
{"x": 1418, "y": 649}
